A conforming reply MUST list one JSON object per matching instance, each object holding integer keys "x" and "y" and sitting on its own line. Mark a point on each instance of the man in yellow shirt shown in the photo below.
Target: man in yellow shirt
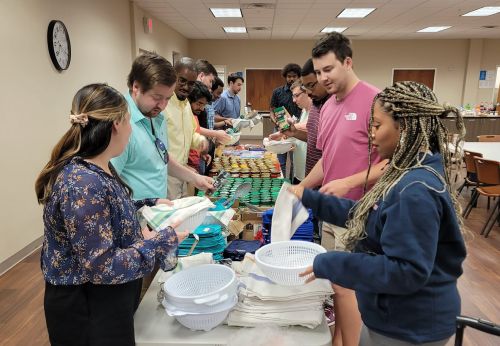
{"x": 181, "y": 125}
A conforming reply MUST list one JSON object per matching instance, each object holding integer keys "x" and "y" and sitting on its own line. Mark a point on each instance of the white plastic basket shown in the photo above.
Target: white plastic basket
{"x": 173, "y": 310}
{"x": 193, "y": 221}
{"x": 207, "y": 284}
{"x": 279, "y": 147}
{"x": 283, "y": 261}
{"x": 204, "y": 322}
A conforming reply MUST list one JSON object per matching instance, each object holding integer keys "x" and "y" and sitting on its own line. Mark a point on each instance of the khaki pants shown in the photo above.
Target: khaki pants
{"x": 330, "y": 237}
{"x": 176, "y": 188}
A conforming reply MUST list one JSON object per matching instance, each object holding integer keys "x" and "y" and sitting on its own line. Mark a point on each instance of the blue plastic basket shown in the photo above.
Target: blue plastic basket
{"x": 304, "y": 232}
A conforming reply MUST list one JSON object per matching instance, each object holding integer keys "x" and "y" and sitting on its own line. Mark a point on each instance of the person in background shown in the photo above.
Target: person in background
{"x": 319, "y": 96}
{"x": 206, "y": 75}
{"x": 282, "y": 96}
{"x": 228, "y": 106}
{"x": 304, "y": 102}
{"x": 199, "y": 97}
{"x": 342, "y": 137}
{"x": 206, "y": 72}
{"x": 406, "y": 231}
{"x": 181, "y": 125}
{"x": 217, "y": 89}
{"x": 145, "y": 162}
{"x": 95, "y": 253}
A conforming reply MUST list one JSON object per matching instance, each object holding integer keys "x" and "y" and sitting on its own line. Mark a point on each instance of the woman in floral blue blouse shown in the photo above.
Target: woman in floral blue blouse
{"x": 95, "y": 253}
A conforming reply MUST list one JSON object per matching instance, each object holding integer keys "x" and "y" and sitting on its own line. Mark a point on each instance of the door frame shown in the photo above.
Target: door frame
{"x": 415, "y": 68}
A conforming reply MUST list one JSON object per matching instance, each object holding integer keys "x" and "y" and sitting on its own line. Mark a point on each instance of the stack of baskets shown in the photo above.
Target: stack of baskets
{"x": 201, "y": 297}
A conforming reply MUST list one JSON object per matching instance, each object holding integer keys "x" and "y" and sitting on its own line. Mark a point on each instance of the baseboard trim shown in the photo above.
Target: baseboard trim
{"x": 20, "y": 255}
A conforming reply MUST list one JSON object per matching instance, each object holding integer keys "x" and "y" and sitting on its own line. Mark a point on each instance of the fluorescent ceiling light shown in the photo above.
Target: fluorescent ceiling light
{"x": 226, "y": 12}
{"x": 355, "y": 12}
{"x": 235, "y": 29}
{"x": 483, "y": 12}
{"x": 329, "y": 29}
{"x": 434, "y": 28}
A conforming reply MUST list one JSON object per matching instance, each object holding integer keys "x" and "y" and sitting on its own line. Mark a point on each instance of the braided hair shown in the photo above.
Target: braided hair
{"x": 415, "y": 107}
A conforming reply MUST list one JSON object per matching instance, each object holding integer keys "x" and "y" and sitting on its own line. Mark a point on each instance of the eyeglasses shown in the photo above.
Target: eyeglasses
{"x": 310, "y": 86}
{"x": 160, "y": 146}
{"x": 184, "y": 81}
{"x": 298, "y": 94}
{"x": 162, "y": 150}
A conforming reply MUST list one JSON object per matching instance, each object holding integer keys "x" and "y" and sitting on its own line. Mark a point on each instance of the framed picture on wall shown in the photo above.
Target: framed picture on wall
{"x": 176, "y": 56}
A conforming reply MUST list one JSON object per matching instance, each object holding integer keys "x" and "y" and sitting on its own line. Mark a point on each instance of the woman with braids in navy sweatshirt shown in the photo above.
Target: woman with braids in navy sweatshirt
{"x": 406, "y": 232}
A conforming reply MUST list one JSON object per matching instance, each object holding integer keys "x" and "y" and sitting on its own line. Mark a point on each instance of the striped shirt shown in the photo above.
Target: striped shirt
{"x": 313, "y": 153}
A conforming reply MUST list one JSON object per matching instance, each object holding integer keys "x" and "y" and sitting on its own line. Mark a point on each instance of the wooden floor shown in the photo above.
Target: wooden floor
{"x": 22, "y": 319}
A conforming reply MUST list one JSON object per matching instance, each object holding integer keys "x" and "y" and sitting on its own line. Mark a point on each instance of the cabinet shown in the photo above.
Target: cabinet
{"x": 475, "y": 126}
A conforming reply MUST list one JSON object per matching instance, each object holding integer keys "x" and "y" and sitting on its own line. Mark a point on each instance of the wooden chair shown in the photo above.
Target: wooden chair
{"x": 470, "y": 179}
{"x": 488, "y": 138}
{"x": 488, "y": 177}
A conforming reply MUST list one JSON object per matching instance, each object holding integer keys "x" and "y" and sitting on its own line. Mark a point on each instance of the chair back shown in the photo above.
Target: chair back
{"x": 488, "y": 171}
{"x": 488, "y": 138}
{"x": 470, "y": 165}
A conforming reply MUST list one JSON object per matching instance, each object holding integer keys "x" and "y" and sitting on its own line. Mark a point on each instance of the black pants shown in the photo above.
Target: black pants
{"x": 91, "y": 314}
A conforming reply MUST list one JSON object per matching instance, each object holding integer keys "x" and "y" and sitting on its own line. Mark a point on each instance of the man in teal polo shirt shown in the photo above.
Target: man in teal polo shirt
{"x": 143, "y": 164}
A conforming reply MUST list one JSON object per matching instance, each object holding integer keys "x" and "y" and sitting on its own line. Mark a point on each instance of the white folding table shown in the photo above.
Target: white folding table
{"x": 154, "y": 327}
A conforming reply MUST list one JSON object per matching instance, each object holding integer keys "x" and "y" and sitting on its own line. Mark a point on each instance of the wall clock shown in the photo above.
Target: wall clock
{"x": 59, "y": 45}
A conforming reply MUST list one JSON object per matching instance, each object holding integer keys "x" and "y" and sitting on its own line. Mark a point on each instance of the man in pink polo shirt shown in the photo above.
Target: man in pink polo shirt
{"x": 343, "y": 137}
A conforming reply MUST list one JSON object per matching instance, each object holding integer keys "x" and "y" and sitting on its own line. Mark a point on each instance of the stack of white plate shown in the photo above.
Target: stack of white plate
{"x": 201, "y": 297}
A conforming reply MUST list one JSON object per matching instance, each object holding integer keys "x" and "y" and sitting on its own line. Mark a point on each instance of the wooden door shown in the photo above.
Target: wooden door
{"x": 260, "y": 85}
{"x": 425, "y": 77}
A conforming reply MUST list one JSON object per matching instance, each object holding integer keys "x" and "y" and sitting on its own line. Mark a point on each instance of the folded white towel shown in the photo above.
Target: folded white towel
{"x": 310, "y": 319}
{"x": 288, "y": 215}
{"x": 162, "y": 215}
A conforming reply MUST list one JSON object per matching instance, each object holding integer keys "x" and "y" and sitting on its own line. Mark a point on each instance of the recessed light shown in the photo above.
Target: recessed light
{"x": 434, "y": 28}
{"x": 226, "y": 12}
{"x": 235, "y": 29}
{"x": 483, "y": 11}
{"x": 329, "y": 29}
{"x": 355, "y": 12}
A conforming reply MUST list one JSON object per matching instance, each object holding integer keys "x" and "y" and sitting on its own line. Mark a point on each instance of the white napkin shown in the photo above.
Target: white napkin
{"x": 262, "y": 301}
{"x": 278, "y": 147}
{"x": 162, "y": 215}
{"x": 310, "y": 319}
{"x": 288, "y": 215}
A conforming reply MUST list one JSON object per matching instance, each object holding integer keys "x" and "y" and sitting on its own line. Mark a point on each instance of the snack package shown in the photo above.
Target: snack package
{"x": 281, "y": 115}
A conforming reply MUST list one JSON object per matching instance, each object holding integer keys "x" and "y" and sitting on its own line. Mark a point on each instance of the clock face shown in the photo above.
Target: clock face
{"x": 59, "y": 45}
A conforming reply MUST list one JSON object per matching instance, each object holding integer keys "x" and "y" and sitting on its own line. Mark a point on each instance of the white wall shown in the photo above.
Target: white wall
{"x": 164, "y": 40}
{"x": 36, "y": 99}
{"x": 489, "y": 61}
{"x": 373, "y": 60}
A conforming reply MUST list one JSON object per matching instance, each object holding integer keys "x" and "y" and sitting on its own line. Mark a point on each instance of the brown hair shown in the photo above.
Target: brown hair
{"x": 333, "y": 42}
{"x": 102, "y": 105}
{"x": 150, "y": 69}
